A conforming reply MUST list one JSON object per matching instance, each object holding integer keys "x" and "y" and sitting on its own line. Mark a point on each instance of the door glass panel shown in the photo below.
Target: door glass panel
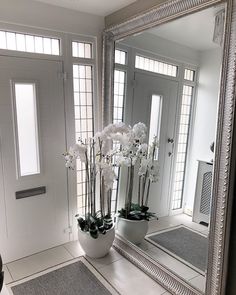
{"x": 26, "y": 129}
{"x": 155, "y": 118}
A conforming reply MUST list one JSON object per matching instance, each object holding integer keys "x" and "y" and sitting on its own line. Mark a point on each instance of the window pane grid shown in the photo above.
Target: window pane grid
{"x": 81, "y": 49}
{"x": 118, "y": 116}
{"x": 155, "y": 66}
{"x": 183, "y": 135}
{"x": 29, "y": 43}
{"x": 84, "y": 120}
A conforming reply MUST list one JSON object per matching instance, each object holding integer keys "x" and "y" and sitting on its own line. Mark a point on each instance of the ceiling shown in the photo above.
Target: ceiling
{"x": 97, "y": 7}
{"x": 194, "y": 31}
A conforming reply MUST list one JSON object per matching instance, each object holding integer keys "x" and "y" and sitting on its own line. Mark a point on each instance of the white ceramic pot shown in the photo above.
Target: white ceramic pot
{"x": 96, "y": 248}
{"x": 132, "y": 230}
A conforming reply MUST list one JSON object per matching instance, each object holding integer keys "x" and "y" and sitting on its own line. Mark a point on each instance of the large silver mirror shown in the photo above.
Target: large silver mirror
{"x": 173, "y": 69}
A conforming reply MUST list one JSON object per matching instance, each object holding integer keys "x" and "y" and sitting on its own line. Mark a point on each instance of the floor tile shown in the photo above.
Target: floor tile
{"x": 199, "y": 282}
{"x": 156, "y": 225}
{"x": 128, "y": 279}
{"x": 144, "y": 245}
{"x": 111, "y": 257}
{"x": 173, "y": 264}
{"x": 74, "y": 249}
{"x": 38, "y": 262}
{"x": 7, "y": 276}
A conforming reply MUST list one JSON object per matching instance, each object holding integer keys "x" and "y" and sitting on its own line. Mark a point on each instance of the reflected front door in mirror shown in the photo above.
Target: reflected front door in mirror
{"x": 168, "y": 78}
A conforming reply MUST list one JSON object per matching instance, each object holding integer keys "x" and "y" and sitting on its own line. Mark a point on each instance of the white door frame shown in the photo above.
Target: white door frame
{"x": 67, "y": 59}
{"x": 132, "y": 52}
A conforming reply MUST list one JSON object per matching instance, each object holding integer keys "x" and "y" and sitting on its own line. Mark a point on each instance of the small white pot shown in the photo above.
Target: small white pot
{"x": 132, "y": 230}
{"x": 96, "y": 248}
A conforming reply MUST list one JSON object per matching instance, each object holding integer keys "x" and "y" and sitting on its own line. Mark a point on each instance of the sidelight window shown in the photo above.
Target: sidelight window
{"x": 182, "y": 143}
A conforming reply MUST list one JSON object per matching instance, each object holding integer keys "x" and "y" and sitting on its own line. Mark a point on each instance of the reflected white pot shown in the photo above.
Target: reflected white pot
{"x": 96, "y": 248}
{"x": 132, "y": 230}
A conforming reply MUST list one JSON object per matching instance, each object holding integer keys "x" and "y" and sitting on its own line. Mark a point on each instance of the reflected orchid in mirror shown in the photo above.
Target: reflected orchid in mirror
{"x": 141, "y": 161}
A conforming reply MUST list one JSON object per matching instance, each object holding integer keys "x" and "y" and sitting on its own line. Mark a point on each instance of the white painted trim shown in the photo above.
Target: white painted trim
{"x": 67, "y": 60}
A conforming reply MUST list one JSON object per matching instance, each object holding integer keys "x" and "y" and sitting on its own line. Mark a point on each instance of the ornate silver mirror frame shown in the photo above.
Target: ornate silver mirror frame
{"x": 224, "y": 171}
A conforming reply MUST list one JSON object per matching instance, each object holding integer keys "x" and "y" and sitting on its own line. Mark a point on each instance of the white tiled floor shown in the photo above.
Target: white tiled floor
{"x": 119, "y": 272}
{"x": 25, "y": 267}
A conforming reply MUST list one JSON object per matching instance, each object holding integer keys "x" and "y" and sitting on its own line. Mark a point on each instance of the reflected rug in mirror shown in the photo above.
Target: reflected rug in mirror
{"x": 183, "y": 243}
{"x": 78, "y": 278}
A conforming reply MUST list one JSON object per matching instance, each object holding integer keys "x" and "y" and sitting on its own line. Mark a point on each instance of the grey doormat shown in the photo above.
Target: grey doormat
{"x": 184, "y": 243}
{"x": 73, "y": 279}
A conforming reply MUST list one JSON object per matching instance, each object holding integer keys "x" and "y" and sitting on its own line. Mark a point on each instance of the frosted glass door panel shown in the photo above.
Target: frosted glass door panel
{"x": 27, "y": 129}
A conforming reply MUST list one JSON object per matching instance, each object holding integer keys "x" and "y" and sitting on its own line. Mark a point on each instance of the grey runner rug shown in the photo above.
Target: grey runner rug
{"x": 184, "y": 243}
{"x": 73, "y": 279}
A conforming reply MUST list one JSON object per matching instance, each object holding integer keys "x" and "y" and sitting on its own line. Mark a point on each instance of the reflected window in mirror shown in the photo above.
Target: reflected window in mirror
{"x": 120, "y": 57}
{"x": 120, "y": 76}
{"x": 155, "y": 120}
{"x": 155, "y": 66}
{"x": 182, "y": 143}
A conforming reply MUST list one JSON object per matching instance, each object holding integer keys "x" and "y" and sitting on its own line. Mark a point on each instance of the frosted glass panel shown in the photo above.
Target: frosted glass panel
{"x": 27, "y": 129}
{"x": 84, "y": 120}
{"x": 182, "y": 144}
{"x": 151, "y": 65}
{"x": 29, "y": 43}
{"x": 81, "y": 49}
{"x": 120, "y": 57}
{"x": 155, "y": 118}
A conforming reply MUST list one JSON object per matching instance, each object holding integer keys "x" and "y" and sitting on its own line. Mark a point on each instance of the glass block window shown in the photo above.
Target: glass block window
{"x": 118, "y": 116}
{"x": 155, "y": 66}
{"x": 120, "y": 57}
{"x": 119, "y": 94}
{"x": 29, "y": 43}
{"x": 189, "y": 75}
{"x": 81, "y": 49}
{"x": 84, "y": 120}
{"x": 182, "y": 143}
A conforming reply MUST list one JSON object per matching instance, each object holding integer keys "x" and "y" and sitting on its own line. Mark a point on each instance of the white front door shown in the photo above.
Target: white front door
{"x": 147, "y": 88}
{"x": 34, "y": 223}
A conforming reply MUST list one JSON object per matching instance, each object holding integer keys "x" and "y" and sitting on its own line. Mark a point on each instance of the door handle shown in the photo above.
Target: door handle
{"x": 170, "y": 140}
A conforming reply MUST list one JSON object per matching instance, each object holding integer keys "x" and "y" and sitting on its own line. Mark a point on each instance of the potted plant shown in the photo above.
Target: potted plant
{"x": 96, "y": 231}
{"x": 141, "y": 162}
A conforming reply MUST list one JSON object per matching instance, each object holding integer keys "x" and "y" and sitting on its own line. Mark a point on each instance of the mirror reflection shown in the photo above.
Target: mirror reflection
{"x": 168, "y": 78}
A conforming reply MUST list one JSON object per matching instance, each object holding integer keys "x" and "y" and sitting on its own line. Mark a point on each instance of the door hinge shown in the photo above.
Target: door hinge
{"x": 134, "y": 83}
{"x": 63, "y": 76}
{"x": 68, "y": 230}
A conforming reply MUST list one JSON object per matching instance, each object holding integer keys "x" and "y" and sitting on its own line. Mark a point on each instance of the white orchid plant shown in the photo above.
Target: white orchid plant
{"x": 99, "y": 159}
{"x": 140, "y": 160}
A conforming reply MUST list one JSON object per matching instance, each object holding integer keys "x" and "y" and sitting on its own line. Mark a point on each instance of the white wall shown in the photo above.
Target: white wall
{"x": 41, "y": 15}
{"x": 163, "y": 47}
{"x": 205, "y": 119}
